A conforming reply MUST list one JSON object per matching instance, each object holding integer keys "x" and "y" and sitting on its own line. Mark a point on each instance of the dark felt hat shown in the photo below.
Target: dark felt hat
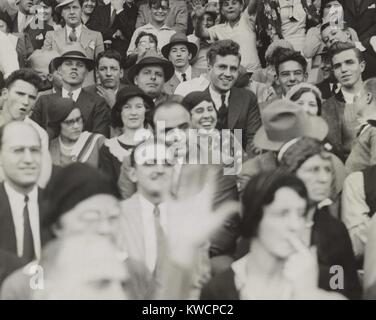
{"x": 179, "y": 38}
{"x": 194, "y": 98}
{"x": 151, "y": 58}
{"x": 74, "y": 51}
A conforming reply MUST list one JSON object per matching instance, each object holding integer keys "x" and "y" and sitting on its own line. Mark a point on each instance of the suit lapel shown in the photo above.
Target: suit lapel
{"x": 7, "y": 233}
{"x": 235, "y": 105}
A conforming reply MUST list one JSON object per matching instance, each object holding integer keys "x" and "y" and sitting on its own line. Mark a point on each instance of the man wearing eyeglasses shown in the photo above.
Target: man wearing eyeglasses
{"x": 159, "y": 10}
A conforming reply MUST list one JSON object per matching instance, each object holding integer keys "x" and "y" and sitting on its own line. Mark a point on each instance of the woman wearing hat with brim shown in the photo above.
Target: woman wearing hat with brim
{"x": 72, "y": 143}
{"x": 312, "y": 162}
{"x": 283, "y": 120}
{"x": 131, "y": 113}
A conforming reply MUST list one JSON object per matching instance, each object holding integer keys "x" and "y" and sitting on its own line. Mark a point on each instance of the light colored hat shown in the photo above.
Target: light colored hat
{"x": 284, "y": 120}
{"x": 39, "y": 60}
{"x": 63, "y": 3}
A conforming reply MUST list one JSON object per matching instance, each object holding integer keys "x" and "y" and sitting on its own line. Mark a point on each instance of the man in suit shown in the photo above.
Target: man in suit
{"x": 23, "y": 17}
{"x": 180, "y": 52}
{"x": 361, "y": 16}
{"x": 20, "y": 198}
{"x": 19, "y": 96}
{"x": 116, "y": 21}
{"x": 109, "y": 72}
{"x": 341, "y": 111}
{"x": 150, "y": 74}
{"x": 73, "y": 66}
{"x": 237, "y": 108}
{"x": 74, "y": 32}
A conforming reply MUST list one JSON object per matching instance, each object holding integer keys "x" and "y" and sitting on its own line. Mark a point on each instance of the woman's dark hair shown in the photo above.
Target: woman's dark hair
{"x": 260, "y": 191}
{"x": 301, "y": 91}
{"x": 121, "y": 99}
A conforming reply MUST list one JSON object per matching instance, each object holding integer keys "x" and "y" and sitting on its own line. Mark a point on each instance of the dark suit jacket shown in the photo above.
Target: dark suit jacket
{"x": 124, "y": 21}
{"x": 244, "y": 114}
{"x": 36, "y": 36}
{"x": 364, "y": 21}
{"x": 95, "y": 112}
{"x": 9, "y": 261}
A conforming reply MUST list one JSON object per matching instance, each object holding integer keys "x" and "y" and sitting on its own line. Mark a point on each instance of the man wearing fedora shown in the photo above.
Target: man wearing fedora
{"x": 74, "y": 32}
{"x": 150, "y": 74}
{"x": 180, "y": 52}
{"x": 73, "y": 67}
{"x": 283, "y": 121}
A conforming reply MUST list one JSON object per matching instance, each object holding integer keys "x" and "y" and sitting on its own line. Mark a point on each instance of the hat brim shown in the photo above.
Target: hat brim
{"x": 63, "y": 3}
{"x": 167, "y": 67}
{"x": 192, "y": 48}
{"x": 59, "y": 60}
{"x": 316, "y": 128}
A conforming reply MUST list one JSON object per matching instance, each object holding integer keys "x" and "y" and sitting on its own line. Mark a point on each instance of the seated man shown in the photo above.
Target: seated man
{"x": 180, "y": 52}
{"x": 150, "y": 74}
{"x": 74, "y": 32}
{"x": 340, "y": 111}
{"x": 109, "y": 73}
{"x": 73, "y": 66}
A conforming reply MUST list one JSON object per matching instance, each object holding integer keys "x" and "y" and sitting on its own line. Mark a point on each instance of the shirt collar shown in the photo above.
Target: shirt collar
{"x": 76, "y": 93}
{"x": 188, "y": 74}
{"x": 149, "y": 26}
{"x": 78, "y": 30}
{"x": 147, "y": 206}
{"x": 216, "y": 97}
{"x": 16, "y": 196}
{"x": 348, "y": 97}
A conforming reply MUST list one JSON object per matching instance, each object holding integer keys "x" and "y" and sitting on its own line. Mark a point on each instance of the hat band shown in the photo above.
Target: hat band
{"x": 75, "y": 53}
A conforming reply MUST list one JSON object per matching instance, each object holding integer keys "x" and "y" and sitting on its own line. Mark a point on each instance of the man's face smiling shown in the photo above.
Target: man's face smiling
{"x": 224, "y": 72}
{"x": 290, "y": 73}
{"x": 159, "y": 11}
{"x": 19, "y": 99}
{"x": 347, "y": 68}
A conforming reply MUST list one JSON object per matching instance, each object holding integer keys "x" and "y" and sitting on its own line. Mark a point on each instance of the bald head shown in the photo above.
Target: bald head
{"x": 20, "y": 155}
{"x": 173, "y": 115}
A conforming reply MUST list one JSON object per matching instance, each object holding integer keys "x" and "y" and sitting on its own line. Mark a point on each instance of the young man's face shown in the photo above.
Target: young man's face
{"x": 159, "y": 11}
{"x": 110, "y": 73}
{"x": 88, "y": 7}
{"x": 71, "y": 14}
{"x": 347, "y": 68}
{"x": 180, "y": 56}
{"x": 333, "y": 34}
{"x": 231, "y": 9}
{"x": 207, "y": 21}
{"x": 333, "y": 9}
{"x": 224, "y": 72}
{"x": 19, "y": 99}
{"x": 150, "y": 79}
{"x": 73, "y": 71}
{"x": 290, "y": 73}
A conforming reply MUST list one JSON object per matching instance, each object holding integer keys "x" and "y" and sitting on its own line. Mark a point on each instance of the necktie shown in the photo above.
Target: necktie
{"x": 28, "y": 242}
{"x": 73, "y": 35}
{"x": 113, "y": 16}
{"x": 70, "y": 95}
{"x": 184, "y": 76}
{"x": 160, "y": 241}
{"x": 222, "y": 114}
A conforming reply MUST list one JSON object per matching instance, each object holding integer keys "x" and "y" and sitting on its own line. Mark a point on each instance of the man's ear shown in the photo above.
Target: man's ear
{"x": 135, "y": 80}
{"x": 305, "y": 76}
{"x": 189, "y": 56}
{"x": 121, "y": 73}
{"x": 132, "y": 174}
{"x": 4, "y": 93}
{"x": 362, "y": 66}
{"x": 369, "y": 98}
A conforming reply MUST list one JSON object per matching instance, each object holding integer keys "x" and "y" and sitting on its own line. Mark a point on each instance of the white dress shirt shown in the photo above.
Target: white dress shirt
{"x": 8, "y": 56}
{"x": 78, "y": 31}
{"x": 76, "y": 94}
{"x": 150, "y": 237}
{"x": 17, "y": 204}
{"x": 216, "y": 97}
{"x": 188, "y": 74}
